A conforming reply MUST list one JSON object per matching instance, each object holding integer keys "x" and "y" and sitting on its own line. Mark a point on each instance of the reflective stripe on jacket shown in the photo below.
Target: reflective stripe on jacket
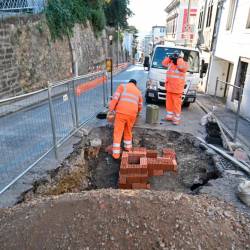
{"x": 175, "y": 78}
{"x": 127, "y": 100}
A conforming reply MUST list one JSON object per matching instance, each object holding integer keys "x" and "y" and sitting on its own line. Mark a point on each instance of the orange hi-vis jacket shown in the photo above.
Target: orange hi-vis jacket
{"x": 175, "y": 79}
{"x": 127, "y": 100}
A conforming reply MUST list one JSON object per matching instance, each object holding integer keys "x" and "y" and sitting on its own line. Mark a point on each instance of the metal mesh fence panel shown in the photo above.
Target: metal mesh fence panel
{"x": 63, "y": 111}
{"x": 22, "y": 5}
{"x": 25, "y": 134}
{"x": 33, "y": 124}
{"x": 91, "y": 95}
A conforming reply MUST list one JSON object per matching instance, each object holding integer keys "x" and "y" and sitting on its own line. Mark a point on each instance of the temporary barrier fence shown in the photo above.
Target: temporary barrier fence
{"x": 34, "y": 124}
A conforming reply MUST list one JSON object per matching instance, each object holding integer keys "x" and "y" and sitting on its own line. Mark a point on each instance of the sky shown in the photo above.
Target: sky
{"x": 147, "y": 14}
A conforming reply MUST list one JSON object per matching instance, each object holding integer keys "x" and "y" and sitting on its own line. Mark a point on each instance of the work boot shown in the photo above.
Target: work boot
{"x": 169, "y": 118}
{"x": 176, "y": 122}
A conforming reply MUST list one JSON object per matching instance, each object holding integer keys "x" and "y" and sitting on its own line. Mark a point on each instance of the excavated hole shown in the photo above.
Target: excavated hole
{"x": 90, "y": 167}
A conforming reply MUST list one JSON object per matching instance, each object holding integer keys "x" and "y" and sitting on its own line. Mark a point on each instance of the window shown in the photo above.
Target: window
{"x": 248, "y": 20}
{"x": 240, "y": 79}
{"x": 200, "y": 18}
{"x": 191, "y": 56}
{"x": 231, "y": 12}
{"x": 209, "y": 13}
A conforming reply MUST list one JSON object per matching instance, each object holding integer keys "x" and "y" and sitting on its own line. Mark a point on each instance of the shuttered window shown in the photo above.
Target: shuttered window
{"x": 248, "y": 20}
{"x": 230, "y": 16}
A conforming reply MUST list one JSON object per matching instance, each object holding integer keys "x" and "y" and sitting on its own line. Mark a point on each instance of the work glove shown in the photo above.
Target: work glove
{"x": 111, "y": 116}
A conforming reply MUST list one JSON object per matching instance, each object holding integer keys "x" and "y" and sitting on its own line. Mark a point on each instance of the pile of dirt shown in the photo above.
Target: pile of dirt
{"x": 112, "y": 219}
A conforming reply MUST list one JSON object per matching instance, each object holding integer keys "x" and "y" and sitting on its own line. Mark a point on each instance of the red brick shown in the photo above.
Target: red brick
{"x": 134, "y": 169}
{"x": 151, "y": 153}
{"x": 125, "y": 186}
{"x": 140, "y": 186}
{"x": 143, "y": 161}
{"x": 122, "y": 179}
{"x": 148, "y": 186}
{"x": 152, "y": 163}
{"x": 158, "y": 172}
{"x": 160, "y": 163}
{"x": 124, "y": 155}
{"x": 144, "y": 170}
{"x": 168, "y": 152}
{"x": 164, "y": 164}
{"x": 140, "y": 149}
{"x": 144, "y": 165}
{"x": 124, "y": 162}
{"x": 123, "y": 170}
{"x": 175, "y": 165}
{"x": 134, "y": 159}
{"x": 151, "y": 172}
{"x": 136, "y": 178}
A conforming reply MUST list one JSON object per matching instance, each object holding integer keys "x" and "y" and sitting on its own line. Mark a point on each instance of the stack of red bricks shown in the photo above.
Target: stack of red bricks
{"x": 140, "y": 164}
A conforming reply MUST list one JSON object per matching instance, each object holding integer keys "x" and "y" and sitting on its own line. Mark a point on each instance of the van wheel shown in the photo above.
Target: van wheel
{"x": 186, "y": 104}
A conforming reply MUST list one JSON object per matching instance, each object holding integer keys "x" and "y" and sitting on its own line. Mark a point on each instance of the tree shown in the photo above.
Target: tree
{"x": 132, "y": 29}
{"x": 117, "y": 13}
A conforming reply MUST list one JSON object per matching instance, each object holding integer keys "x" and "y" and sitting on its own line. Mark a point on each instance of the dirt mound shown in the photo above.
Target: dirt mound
{"x": 112, "y": 219}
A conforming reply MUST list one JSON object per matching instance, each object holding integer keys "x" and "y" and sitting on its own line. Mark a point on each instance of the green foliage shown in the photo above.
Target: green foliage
{"x": 132, "y": 29}
{"x": 98, "y": 19}
{"x": 62, "y": 15}
{"x": 117, "y": 13}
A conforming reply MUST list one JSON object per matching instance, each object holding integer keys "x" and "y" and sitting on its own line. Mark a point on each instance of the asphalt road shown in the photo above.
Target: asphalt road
{"x": 27, "y": 134}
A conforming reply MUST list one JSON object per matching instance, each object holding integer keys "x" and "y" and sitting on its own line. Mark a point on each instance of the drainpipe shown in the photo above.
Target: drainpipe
{"x": 215, "y": 37}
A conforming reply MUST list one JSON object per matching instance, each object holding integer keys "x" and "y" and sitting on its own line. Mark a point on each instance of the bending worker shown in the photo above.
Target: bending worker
{"x": 174, "y": 84}
{"x": 126, "y": 103}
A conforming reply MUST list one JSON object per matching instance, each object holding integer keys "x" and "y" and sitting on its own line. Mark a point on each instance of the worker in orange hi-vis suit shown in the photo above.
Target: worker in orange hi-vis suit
{"x": 126, "y": 103}
{"x": 174, "y": 84}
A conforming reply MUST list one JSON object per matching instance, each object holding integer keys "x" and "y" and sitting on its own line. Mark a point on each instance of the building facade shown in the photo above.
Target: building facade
{"x": 147, "y": 45}
{"x": 181, "y": 28}
{"x": 128, "y": 40}
{"x": 230, "y": 61}
{"x": 158, "y": 34}
{"x": 207, "y": 26}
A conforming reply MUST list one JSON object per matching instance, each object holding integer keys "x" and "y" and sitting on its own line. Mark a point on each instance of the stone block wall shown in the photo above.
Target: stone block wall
{"x": 29, "y": 58}
{"x": 9, "y": 73}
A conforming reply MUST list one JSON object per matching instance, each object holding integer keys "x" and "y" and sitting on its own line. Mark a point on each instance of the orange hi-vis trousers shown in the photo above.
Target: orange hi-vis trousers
{"x": 173, "y": 107}
{"x": 122, "y": 127}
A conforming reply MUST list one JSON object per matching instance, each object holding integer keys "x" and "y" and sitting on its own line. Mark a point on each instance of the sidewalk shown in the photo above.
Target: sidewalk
{"x": 227, "y": 117}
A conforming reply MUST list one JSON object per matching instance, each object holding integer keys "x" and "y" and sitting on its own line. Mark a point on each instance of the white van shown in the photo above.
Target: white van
{"x": 155, "y": 89}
